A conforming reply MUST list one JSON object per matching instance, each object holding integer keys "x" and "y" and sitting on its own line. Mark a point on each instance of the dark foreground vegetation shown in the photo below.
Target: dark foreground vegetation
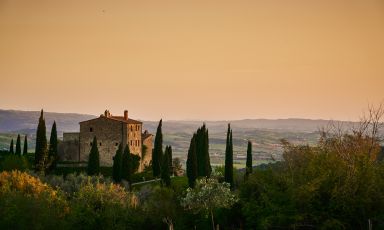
{"x": 336, "y": 184}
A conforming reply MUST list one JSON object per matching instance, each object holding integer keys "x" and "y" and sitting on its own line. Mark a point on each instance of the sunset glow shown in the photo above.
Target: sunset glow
{"x": 209, "y": 60}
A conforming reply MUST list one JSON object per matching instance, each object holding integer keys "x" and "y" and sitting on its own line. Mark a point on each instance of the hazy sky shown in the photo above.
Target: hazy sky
{"x": 193, "y": 59}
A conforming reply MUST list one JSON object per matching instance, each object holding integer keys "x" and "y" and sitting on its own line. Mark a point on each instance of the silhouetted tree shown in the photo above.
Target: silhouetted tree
{"x": 248, "y": 164}
{"x": 126, "y": 165}
{"x": 165, "y": 169}
{"x": 94, "y": 159}
{"x": 18, "y": 145}
{"x": 157, "y": 151}
{"x": 41, "y": 150}
{"x": 202, "y": 152}
{"x": 11, "y": 147}
{"x": 117, "y": 164}
{"x": 192, "y": 162}
{"x": 52, "y": 152}
{"x": 168, "y": 150}
{"x": 25, "y": 151}
{"x": 228, "y": 173}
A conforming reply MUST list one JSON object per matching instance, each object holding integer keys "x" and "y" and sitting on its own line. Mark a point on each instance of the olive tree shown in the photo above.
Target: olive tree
{"x": 207, "y": 196}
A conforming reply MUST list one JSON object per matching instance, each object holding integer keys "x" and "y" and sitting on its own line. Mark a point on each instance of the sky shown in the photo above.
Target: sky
{"x": 205, "y": 60}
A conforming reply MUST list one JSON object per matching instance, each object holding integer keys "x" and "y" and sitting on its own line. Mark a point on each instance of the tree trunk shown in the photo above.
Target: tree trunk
{"x": 213, "y": 222}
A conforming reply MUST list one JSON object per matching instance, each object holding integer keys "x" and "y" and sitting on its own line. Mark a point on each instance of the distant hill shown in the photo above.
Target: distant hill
{"x": 264, "y": 133}
{"x": 26, "y": 121}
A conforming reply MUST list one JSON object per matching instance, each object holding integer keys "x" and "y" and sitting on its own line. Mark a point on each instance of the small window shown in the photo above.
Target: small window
{"x": 90, "y": 144}
{"x": 100, "y": 143}
{"x": 131, "y": 128}
{"x": 131, "y": 143}
{"x": 91, "y": 129}
{"x": 116, "y": 144}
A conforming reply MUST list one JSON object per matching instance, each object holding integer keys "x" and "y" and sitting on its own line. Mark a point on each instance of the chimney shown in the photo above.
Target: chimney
{"x": 126, "y": 115}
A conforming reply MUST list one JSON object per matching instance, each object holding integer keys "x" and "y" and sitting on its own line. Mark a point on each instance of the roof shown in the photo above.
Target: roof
{"x": 116, "y": 118}
{"x": 146, "y": 135}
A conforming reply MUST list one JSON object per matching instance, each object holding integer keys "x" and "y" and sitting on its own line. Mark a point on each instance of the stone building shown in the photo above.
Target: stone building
{"x": 110, "y": 131}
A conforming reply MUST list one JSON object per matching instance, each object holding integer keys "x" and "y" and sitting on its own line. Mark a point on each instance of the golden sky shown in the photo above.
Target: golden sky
{"x": 195, "y": 59}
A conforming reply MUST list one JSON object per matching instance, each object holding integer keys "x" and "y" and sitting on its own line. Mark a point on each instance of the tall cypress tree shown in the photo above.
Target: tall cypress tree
{"x": 126, "y": 168}
{"x": 248, "y": 169}
{"x": 169, "y": 152}
{"x": 165, "y": 170}
{"x": 41, "y": 150}
{"x": 25, "y": 151}
{"x": 192, "y": 163}
{"x": 11, "y": 147}
{"x": 52, "y": 152}
{"x": 117, "y": 164}
{"x": 202, "y": 152}
{"x": 157, "y": 151}
{"x": 94, "y": 159}
{"x": 18, "y": 145}
{"x": 228, "y": 174}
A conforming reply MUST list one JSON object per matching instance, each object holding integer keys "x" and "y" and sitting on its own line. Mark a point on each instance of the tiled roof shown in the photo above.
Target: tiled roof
{"x": 116, "y": 118}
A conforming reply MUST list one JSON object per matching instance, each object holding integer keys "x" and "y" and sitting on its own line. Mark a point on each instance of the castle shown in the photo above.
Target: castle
{"x": 110, "y": 131}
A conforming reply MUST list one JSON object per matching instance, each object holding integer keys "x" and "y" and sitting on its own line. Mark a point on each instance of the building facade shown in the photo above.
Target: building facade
{"x": 110, "y": 131}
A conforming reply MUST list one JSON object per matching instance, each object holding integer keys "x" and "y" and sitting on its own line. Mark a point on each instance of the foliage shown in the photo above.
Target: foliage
{"x": 94, "y": 160}
{"x": 228, "y": 172}
{"x": 21, "y": 195}
{"x": 337, "y": 184}
{"x": 11, "y": 147}
{"x": 157, "y": 152}
{"x": 18, "y": 146}
{"x": 207, "y": 196}
{"x": 14, "y": 162}
{"x": 165, "y": 167}
{"x": 100, "y": 206}
{"x": 202, "y": 152}
{"x": 52, "y": 151}
{"x": 41, "y": 150}
{"x": 72, "y": 183}
{"x": 126, "y": 165}
{"x": 248, "y": 169}
{"x": 117, "y": 164}
{"x": 160, "y": 198}
{"x": 192, "y": 163}
{"x": 25, "y": 149}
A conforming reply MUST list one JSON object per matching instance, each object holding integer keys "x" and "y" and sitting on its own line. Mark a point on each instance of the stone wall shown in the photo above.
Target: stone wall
{"x": 109, "y": 134}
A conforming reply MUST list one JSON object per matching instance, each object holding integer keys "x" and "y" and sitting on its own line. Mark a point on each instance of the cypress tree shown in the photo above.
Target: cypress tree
{"x": 165, "y": 170}
{"x": 11, "y": 147}
{"x": 126, "y": 167}
{"x": 157, "y": 151}
{"x": 248, "y": 164}
{"x": 52, "y": 152}
{"x": 228, "y": 174}
{"x": 202, "y": 152}
{"x": 192, "y": 163}
{"x": 25, "y": 151}
{"x": 18, "y": 145}
{"x": 94, "y": 160}
{"x": 41, "y": 150}
{"x": 117, "y": 164}
{"x": 169, "y": 152}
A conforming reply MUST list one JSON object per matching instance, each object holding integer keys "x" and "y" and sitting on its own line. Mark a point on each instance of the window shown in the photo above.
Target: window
{"x": 131, "y": 143}
{"x": 131, "y": 128}
{"x": 90, "y": 144}
{"x": 100, "y": 143}
{"x": 116, "y": 144}
{"x": 91, "y": 129}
